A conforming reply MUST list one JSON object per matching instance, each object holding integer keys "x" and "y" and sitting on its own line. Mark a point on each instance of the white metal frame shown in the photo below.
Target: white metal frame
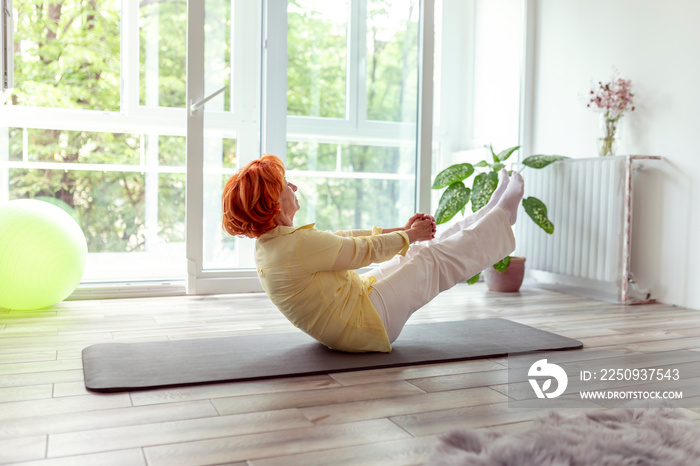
{"x": 425, "y": 105}
{"x": 6, "y": 41}
{"x": 273, "y": 116}
{"x": 195, "y": 142}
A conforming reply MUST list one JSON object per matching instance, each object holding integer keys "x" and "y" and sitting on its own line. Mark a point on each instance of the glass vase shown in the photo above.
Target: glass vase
{"x": 607, "y": 143}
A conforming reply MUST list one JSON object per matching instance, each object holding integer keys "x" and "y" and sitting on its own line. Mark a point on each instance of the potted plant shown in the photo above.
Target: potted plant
{"x": 507, "y": 274}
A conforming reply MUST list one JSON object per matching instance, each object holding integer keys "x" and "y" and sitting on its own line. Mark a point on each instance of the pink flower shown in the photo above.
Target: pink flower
{"x": 613, "y": 98}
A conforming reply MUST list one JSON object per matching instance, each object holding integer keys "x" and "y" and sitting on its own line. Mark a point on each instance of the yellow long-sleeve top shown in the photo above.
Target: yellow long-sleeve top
{"x": 309, "y": 275}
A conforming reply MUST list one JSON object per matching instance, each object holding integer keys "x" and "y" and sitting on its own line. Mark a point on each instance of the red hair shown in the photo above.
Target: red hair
{"x": 250, "y": 200}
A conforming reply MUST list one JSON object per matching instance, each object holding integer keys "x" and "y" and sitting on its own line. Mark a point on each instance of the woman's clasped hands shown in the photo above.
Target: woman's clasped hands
{"x": 420, "y": 227}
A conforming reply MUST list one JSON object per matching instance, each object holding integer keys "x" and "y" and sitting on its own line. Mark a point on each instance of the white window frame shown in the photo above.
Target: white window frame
{"x": 138, "y": 119}
{"x": 6, "y": 50}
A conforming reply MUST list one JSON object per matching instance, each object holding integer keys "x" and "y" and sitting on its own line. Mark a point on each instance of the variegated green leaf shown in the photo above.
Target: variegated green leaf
{"x": 452, "y": 201}
{"x": 452, "y": 174}
{"x": 493, "y": 155}
{"x": 541, "y": 161}
{"x": 474, "y": 279}
{"x": 484, "y": 186}
{"x": 497, "y": 167}
{"x": 503, "y": 156}
{"x": 482, "y": 164}
{"x": 538, "y": 213}
{"x": 502, "y": 265}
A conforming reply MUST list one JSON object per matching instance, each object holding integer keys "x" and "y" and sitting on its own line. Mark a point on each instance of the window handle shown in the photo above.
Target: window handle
{"x": 200, "y": 103}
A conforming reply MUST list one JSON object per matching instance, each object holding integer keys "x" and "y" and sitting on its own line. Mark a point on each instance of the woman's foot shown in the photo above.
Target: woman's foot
{"x": 510, "y": 200}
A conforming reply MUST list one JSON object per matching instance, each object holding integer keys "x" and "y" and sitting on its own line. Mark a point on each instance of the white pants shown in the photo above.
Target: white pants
{"x": 407, "y": 283}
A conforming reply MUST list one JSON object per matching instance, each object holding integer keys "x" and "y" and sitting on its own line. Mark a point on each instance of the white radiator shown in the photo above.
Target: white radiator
{"x": 589, "y": 201}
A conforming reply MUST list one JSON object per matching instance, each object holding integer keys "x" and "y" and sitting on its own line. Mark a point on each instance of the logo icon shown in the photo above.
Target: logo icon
{"x": 542, "y": 368}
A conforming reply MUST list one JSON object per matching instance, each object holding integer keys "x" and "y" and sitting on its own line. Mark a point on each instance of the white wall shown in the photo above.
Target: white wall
{"x": 656, "y": 44}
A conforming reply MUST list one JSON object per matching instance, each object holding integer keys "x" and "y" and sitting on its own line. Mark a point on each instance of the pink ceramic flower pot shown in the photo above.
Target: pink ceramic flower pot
{"x": 508, "y": 281}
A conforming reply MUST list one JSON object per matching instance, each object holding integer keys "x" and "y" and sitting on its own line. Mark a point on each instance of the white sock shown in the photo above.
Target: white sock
{"x": 510, "y": 200}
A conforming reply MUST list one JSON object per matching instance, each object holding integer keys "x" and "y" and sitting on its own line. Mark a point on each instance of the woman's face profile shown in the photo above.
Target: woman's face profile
{"x": 289, "y": 204}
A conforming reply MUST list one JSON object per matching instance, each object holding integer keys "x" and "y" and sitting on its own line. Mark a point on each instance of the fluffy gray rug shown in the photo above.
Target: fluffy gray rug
{"x": 619, "y": 437}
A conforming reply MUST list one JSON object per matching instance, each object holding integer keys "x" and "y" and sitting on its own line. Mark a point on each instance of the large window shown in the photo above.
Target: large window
{"x": 97, "y": 120}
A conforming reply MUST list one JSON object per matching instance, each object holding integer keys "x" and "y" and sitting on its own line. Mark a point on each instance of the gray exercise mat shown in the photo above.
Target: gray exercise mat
{"x": 134, "y": 366}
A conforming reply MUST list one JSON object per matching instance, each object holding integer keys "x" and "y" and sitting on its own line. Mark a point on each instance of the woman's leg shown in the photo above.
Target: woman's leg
{"x": 385, "y": 269}
{"x": 444, "y": 263}
{"x": 503, "y": 181}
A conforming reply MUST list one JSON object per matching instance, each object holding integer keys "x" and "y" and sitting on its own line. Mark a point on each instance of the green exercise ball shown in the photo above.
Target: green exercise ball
{"x": 42, "y": 254}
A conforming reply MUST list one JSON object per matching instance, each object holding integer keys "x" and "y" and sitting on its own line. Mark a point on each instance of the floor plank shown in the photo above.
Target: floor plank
{"x": 416, "y": 372}
{"x": 392, "y": 453}
{"x": 288, "y": 442}
{"x": 32, "y": 392}
{"x": 338, "y": 413}
{"x": 22, "y": 449}
{"x": 35, "y": 423}
{"x": 68, "y": 405}
{"x": 223, "y": 390}
{"x": 299, "y": 399}
{"x": 121, "y": 438}
{"x": 132, "y": 457}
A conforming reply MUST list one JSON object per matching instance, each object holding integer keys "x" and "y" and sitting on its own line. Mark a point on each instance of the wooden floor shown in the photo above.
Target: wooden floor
{"x": 383, "y": 417}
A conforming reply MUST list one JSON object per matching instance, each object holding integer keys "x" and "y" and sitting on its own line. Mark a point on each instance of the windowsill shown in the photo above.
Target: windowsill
{"x": 128, "y": 289}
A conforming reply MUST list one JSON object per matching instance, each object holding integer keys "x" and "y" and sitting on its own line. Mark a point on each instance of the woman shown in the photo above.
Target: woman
{"x": 309, "y": 274}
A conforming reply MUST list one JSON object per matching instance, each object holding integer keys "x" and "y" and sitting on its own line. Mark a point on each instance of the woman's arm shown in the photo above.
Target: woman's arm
{"x": 406, "y": 228}
{"x": 351, "y": 233}
{"x": 361, "y": 251}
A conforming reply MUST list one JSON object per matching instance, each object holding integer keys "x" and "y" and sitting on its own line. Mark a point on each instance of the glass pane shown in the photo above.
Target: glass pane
{"x": 217, "y": 52}
{"x": 172, "y": 150}
{"x": 316, "y": 57}
{"x": 46, "y": 145}
{"x": 392, "y": 60}
{"x": 16, "y": 144}
{"x": 228, "y": 155}
{"x": 378, "y": 159}
{"x": 162, "y": 52}
{"x": 171, "y": 208}
{"x": 365, "y": 186}
{"x": 65, "y": 54}
{"x": 109, "y": 206}
{"x": 312, "y": 156}
{"x": 352, "y": 203}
